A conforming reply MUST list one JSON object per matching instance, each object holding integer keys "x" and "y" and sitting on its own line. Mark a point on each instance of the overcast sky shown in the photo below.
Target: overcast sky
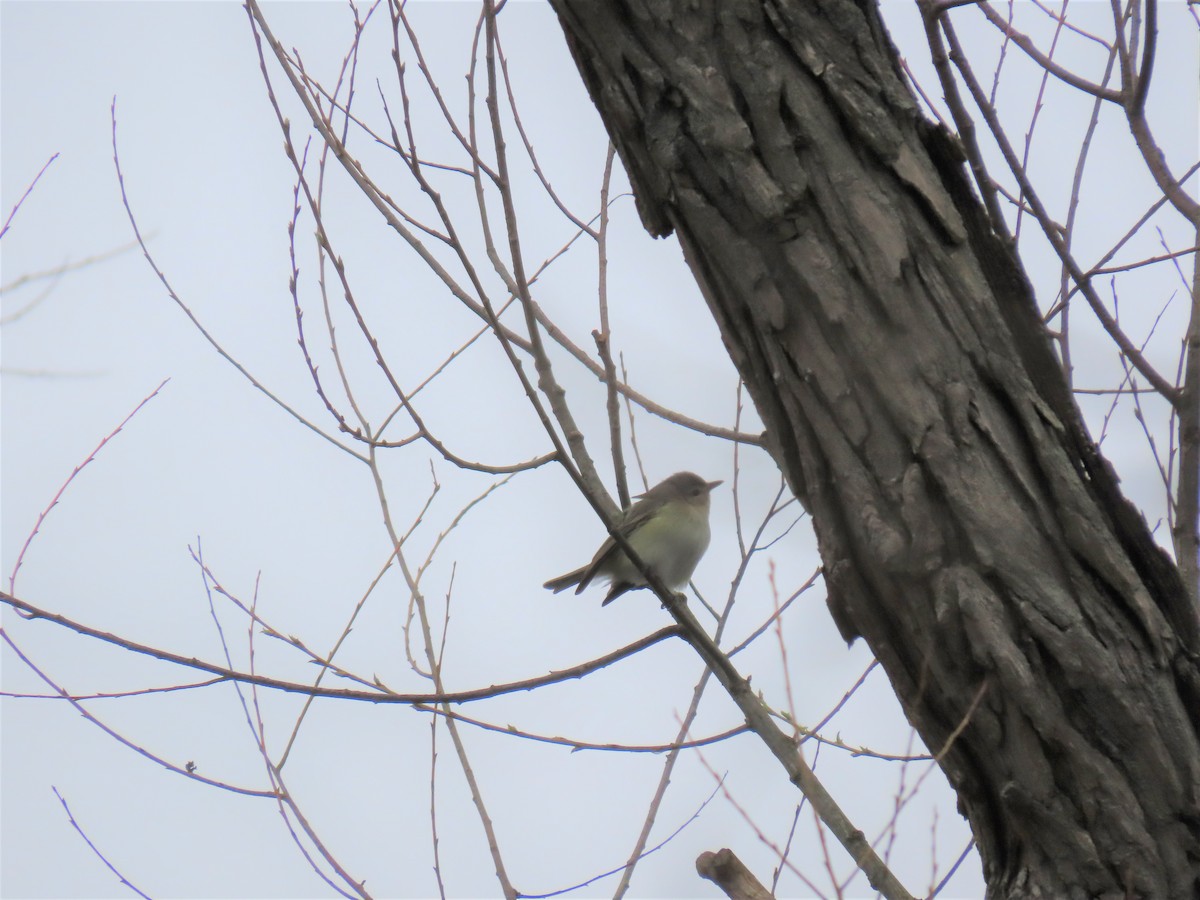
{"x": 213, "y": 466}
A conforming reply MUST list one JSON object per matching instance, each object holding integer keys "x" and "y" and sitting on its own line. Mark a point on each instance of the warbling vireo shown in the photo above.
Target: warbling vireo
{"x": 667, "y": 528}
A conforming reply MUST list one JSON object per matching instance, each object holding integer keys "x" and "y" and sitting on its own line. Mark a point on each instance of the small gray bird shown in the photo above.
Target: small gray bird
{"x": 667, "y": 528}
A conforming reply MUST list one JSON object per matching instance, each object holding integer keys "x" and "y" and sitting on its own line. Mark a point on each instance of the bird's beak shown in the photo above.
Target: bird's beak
{"x": 713, "y": 484}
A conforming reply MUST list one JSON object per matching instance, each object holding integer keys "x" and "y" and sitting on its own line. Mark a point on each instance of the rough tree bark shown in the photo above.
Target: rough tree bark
{"x": 970, "y": 530}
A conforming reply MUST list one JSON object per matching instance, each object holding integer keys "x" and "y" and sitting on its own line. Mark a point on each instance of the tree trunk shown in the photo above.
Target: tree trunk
{"x": 1036, "y": 636}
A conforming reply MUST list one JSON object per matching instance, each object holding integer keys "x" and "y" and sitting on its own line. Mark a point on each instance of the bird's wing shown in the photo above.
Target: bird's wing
{"x": 590, "y": 571}
{"x": 633, "y": 519}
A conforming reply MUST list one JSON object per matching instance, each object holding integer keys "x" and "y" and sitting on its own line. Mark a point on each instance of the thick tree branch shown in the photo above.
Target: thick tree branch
{"x": 970, "y": 530}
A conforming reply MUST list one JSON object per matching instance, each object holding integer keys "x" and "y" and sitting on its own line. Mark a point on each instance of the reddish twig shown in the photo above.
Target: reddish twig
{"x": 37, "y": 525}
{"x": 28, "y": 190}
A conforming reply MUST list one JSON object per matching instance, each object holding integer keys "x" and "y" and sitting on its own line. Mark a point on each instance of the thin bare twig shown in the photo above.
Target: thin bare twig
{"x": 1053, "y": 235}
{"x": 58, "y": 495}
{"x": 216, "y": 345}
{"x": 28, "y": 190}
{"x": 96, "y": 850}
{"x": 188, "y": 771}
{"x": 381, "y": 694}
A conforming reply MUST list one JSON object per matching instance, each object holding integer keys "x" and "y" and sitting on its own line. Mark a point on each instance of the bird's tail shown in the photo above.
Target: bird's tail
{"x": 562, "y": 582}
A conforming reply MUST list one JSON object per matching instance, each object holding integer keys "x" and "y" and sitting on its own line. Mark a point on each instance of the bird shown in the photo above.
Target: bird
{"x": 667, "y": 528}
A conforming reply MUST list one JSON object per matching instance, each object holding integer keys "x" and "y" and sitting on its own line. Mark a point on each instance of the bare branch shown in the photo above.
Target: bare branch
{"x": 1100, "y": 91}
{"x": 12, "y": 578}
{"x": 380, "y": 695}
{"x": 28, "y": 190}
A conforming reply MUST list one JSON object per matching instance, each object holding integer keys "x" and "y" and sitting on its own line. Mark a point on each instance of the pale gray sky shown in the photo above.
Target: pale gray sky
{"x": 212, "y": 463}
